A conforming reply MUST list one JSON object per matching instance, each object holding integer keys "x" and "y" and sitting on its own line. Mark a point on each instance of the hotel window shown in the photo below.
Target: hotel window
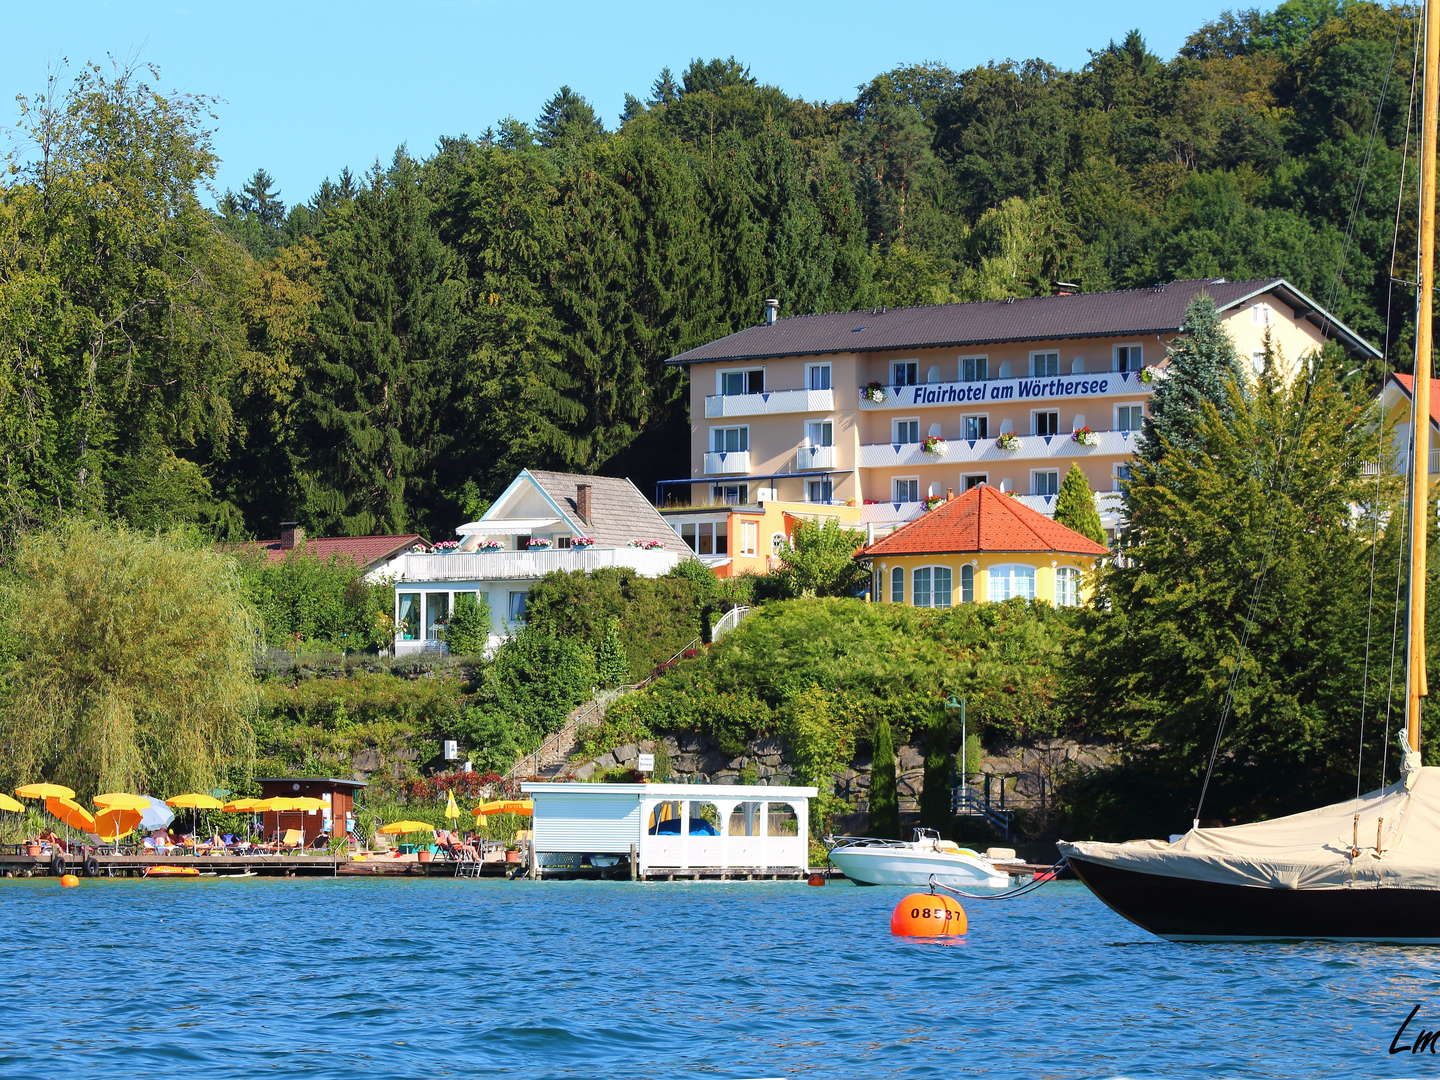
{"x": 751, "y": 381}
{"x": 819, "y": 491}
{"x": 1128, "y": 358}
{"x": 817, "y": 376}
{"x": 516, "y": 610}
{"x": 975, "y": 427}
{"x": 932, "y": 586}
{"x": 967, "y": 584}
{"x": 905, "y": 490}
{"x": 1122, "y": 475}
{"x": 905, "y": 432}
{"x": 749, "y": 537}
{"x": 407, "y": 615}
{"x": 905, "y": 372}
{"x": 1046, "y": 423}
{"x": 1067, "y": 586}
{"x": 729, "y": 440}
{"x": 1044, "y": 483}
{"x": 819, "y": 433}
{"x": 731, "y": 494}
{"x": 1129, "y": 417}
{"x": 897, "y": 585}
{"x": 1044, "y": 363}
{"x": 974, "y": 368}
{"x": 976, "y": 480}
{"x": 1010, "y": 580}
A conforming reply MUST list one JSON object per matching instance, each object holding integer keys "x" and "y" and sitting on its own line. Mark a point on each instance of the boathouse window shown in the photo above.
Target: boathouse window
{"x": 897, "y": 585}
{"x": 780, "y": 820}
{"x": 407, "y": 615}
{"x": 967, "y": 584}
{"x": 904, "y": 432}
{"x": 1011, "y": 580}
{"x": 1067, "y": 586}
{"x": 1128, "y": 358}
{"x": 745, "y": 820}
{"x": 932, "y": 587}
{"x": 905, "y": 372}
{"x": 1044, "y": 363}
{"x": 749, "y": 381}
{"x": 974, "y": 368}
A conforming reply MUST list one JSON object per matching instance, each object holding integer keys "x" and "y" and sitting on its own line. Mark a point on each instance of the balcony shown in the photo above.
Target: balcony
{"x": 815, "y": 457}
{"x": 519, "y": 565}
{"x": 1027, "y": 448}
{"x": 888, "y": 515}
{"x": 727, "y": 462}
{"x": 1009, "y": 391}
{"x": 769, "y": 403}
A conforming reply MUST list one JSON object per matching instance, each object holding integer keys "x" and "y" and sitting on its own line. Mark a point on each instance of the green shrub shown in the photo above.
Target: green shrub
{"x": 468, "y": 631}
{"x": 303, "y": 598}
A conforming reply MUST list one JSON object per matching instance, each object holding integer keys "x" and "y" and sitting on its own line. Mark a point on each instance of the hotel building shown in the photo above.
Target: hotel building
{"x": 867, "y": 415}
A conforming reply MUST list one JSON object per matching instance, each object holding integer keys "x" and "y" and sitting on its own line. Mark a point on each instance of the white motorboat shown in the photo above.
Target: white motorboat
{"x": 868, "y": 861}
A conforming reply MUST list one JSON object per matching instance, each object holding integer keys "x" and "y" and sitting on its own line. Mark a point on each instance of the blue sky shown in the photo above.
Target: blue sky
{"x": 308, "y": 87}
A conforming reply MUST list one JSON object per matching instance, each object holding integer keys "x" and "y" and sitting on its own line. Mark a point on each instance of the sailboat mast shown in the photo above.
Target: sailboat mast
{"x": 1420, "y": 421}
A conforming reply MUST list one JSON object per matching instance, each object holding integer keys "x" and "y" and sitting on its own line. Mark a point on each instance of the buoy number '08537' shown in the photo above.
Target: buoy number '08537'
{"x": 933, "y": 913}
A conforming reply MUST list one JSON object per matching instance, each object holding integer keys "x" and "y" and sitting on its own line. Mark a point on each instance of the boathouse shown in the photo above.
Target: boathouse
{"x": 672, "y": 830}
{"x": 338, "y": 813}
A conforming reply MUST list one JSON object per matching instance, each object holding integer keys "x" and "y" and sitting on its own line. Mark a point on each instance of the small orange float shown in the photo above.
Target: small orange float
{"x": 68, "y": 881}
{"x": 928, "y": 915}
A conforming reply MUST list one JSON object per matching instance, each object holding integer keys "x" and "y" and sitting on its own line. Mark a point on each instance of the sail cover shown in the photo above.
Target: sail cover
{"x": 1311, "y": 850}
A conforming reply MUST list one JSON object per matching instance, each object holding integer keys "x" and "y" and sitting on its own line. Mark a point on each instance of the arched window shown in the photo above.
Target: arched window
{"x": 897, "y": 585}
{"x": 967, "y": 584}
{"x": 1010, "y": 580}
{"x": 932, "y": 586}
{"x": 1067, "y": 586}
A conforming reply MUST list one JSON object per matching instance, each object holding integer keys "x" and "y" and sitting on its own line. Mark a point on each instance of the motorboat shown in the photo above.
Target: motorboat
{"x": 869, "y": 861}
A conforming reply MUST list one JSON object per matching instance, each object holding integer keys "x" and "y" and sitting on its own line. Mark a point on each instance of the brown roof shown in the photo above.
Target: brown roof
{"x": 618, "y": 512}
{"x": 364, "y": 550}
{"x": 1157, "y": 310}
{"x": 983, "y": 519}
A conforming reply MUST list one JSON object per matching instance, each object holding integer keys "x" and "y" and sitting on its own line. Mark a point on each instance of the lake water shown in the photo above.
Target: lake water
{"x": 442, "y": 978}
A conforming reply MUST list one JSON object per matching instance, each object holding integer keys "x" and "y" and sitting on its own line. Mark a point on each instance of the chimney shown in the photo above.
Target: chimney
{"x": 291, "y": 535}
{"x": 582, "y": 502}
{"x": 1065, "y": 288}
{"x": 772, "y": 311}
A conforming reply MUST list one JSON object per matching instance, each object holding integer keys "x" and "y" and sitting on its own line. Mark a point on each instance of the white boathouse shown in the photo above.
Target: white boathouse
{"x": 672, "y": 830}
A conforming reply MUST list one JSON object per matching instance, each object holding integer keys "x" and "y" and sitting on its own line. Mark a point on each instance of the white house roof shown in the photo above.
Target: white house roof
{"x": 538, "y": 499}
{"x": 505, "y": 526}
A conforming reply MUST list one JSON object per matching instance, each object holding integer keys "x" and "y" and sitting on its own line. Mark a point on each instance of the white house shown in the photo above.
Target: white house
{"x": 717, "y": 829}
{"x": 542, "y": 522}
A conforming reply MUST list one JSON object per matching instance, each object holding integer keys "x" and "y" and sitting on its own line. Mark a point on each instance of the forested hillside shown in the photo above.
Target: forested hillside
{"x": 384, "y": 354}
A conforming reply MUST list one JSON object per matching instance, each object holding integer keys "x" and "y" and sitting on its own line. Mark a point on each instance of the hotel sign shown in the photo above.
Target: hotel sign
{"x": 1044, "y": 388}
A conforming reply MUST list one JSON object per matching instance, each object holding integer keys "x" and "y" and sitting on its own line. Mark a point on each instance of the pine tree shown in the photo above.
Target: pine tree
{"x": 664, "y": 90}
{"x": 1203, "y": 364}
{"x": 611, "y": 664}
{"x": 632, "y": 108}
{"x": 567, "y": 119}
{"x": 884, "y": 800}
{"x": 1075, "y": 506}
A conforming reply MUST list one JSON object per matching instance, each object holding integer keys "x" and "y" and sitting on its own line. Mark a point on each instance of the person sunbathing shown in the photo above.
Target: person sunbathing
{"x": 54, "y": 842}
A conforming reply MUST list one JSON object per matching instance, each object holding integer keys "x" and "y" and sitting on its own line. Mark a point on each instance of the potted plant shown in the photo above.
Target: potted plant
{"x": 933, "y": 501}
{"x": 512, "y": 854}
{"x": 424, "y": 854}
{"x": 538, "y": 543}
{"x": 934, "y": 445}
{"x": 582, "y": 542}
{"x": 445, "y": 547}
{"x": 647, "y": 545}
{"x": 1085, "y": 437}
{"x": 1008, "y": 441}
{"x": 874, "y": 392}
{"x": 1147, "y": 374}
{"x": 491, "y": 545}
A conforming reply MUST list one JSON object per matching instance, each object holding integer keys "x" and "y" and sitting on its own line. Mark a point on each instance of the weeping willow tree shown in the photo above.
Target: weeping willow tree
{"x": 129, "y": 662}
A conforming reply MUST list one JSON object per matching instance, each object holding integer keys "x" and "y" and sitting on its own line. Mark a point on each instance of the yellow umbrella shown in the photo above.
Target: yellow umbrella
{"x": 120, "y": 800}
{"x": 44, "y": 791}
{"x": 397, "y": 828}
{"x": 243, "y": 806}
{"x": 506, "y": 806}
{"x": 195, "y": 801}
{"x": 71, "y": 813}
{"x": 451, "y": 810}
{"x": 7, "y": 803}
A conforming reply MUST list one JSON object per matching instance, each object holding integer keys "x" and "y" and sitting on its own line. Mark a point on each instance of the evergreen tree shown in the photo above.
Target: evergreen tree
{"x": 664, "y": 90}
{"x": 567, "y": 119}
{"x": 1203, "y": 366}
{"x": 1075, "y": 506}
{"x": 632, "y": 108}
{"x": 941, "y": 737}
{"x": 714, "y": 74}
{"x": 884, "y": 801}
{"x": 611, "y": 664}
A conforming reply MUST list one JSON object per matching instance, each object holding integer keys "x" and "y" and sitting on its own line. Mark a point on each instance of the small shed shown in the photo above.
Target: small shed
{"x": 673, "y": 830}
{"x": 339, "y": 796}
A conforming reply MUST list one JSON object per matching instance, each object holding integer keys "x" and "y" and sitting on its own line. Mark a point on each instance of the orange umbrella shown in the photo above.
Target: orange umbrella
{"x": 71, "y": 813}
{"x": 117, "y": 823}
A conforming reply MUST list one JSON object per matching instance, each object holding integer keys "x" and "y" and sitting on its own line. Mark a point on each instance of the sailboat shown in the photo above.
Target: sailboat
{"x": 1363, "y": 870}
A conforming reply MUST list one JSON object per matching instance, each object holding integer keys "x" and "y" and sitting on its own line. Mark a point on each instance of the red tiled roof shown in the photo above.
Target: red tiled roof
{"x": 365, "y": 550}
{"x": 983, "y": 519}
{"x": 1407, "y": 383}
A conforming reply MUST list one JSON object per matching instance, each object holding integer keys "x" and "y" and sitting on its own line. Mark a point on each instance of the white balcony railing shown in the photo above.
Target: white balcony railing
{"x": 815, "y": 457}
{"x": 773, "y": 401}
{"x": 1027, "y": 448}
{"x": 1009, "y": 391}
{"x": 503, "y": 565}
{"x": 883, "y": 515}
{"x": 727, "y": 462}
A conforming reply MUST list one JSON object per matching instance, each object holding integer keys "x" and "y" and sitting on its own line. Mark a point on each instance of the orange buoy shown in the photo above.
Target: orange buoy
{"x": 815, "y": 879}
{"x": 928, "y": 915}
{"x": 69, "y": 881}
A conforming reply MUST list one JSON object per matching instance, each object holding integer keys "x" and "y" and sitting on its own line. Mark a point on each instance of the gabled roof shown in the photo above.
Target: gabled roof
{"x": 1407, "y": 387}
{"x": 983, "y": 519}
{"x": 618, "y": 512}
{"x": 1157, "y": 310}
{"x": 366, "y": 551}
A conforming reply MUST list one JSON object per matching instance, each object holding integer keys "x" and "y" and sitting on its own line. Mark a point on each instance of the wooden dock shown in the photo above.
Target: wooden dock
{"x": 318, "y": 865}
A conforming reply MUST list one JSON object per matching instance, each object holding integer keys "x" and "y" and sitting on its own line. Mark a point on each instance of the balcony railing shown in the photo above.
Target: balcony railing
{"x": 1008, "y": 391}
{"x": 1027, "y": 448}
{"x": 503, "y": 565}
{"x": 727, "y": 462}
{"x": 815, "y": 457}
{"x": 881, "y": 514}
{"x": 772, "y": 401}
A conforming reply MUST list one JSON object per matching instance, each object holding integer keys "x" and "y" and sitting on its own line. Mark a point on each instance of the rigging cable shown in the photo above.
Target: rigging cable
{"x": 1039, "y": 880}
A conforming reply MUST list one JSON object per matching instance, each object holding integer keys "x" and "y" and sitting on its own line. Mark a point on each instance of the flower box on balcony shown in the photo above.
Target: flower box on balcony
{"x": 491, "y": 545}
{"x": 582, "y": 542}
{"x": 445, "y": 547}
{"x": 1008, "y": 441}
{"x": 1085, "y": 437}
{"x": 537, "y": 543}
{"x": 647, "y": 545}
{"x": 874, "y": 393}
{"x": 935, "y": 446}
{"x": 934, "y": 501}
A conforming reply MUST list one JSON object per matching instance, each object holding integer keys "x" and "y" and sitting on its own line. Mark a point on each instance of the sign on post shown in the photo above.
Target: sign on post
{"x": 645, "y": 763}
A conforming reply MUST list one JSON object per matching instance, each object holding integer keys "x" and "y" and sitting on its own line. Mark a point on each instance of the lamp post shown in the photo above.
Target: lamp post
{"x": 959, "y": 703}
